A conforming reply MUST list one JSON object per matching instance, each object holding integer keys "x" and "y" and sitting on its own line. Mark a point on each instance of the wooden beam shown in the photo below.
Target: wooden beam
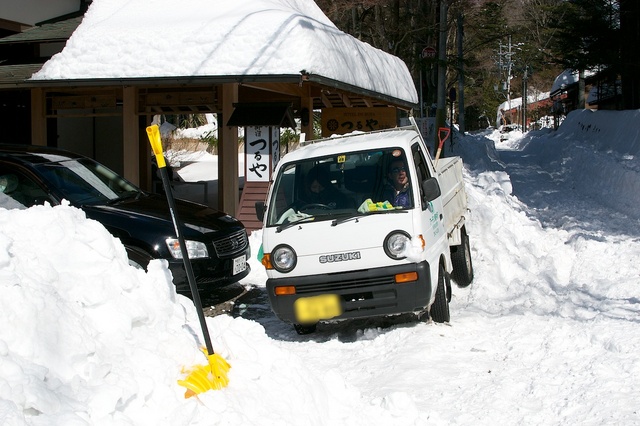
{"x": 13, "y": 26}
{"x": 179, "y": 99}
{"x": 84, "y": 102}
{"x": 346, "y": 100}
{"x": 326, "y": 101}
{"x": 281, "y": 88}
{"x": 228, "y": 185}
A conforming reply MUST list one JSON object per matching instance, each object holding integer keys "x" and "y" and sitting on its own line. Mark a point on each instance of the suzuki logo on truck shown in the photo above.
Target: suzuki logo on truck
{"x": 340, "y": 257}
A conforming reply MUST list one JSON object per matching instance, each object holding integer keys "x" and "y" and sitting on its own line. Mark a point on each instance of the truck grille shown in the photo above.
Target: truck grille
{"x": 231, "y": 244}
{"x": 342, "y": 285}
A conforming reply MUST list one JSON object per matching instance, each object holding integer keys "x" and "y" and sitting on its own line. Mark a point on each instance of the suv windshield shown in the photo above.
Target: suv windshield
{"x": 85, "y": 181}
{"x": 342, "y": 185}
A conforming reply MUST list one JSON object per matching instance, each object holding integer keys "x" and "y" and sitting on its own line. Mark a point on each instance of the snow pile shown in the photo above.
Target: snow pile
{"x": 599, "y": 151}
{"x": 87, "y": 339}
{"x": 82, "y": 331}
{"x": 546, "y": 333}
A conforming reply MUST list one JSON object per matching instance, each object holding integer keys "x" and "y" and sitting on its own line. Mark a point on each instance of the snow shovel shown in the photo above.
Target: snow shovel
{"x": 441, "y": 131}
{"x": 200, "y": 378}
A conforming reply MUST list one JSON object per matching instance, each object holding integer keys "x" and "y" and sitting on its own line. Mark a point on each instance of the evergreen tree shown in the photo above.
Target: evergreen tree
{"x": 630, "y": 67}
{"x": 601, "y": 36}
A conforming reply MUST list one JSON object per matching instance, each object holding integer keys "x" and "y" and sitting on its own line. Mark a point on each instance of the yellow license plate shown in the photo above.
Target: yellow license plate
{"x": 316, "y": 308}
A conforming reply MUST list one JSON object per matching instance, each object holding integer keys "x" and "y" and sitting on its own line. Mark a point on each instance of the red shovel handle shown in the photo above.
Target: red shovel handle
{"x": 441, "y": 140}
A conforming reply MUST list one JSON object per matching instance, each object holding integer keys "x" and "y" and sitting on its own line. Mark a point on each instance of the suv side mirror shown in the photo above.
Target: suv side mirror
{"x": 261, "y": 207}
{"x": 430, "y": 189}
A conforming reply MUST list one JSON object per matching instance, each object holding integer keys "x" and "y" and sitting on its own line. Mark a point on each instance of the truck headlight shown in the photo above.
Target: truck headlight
{"x": 396, "y": 244}
{"x": 283, "y": 258}
{"x": 195, "y": 249}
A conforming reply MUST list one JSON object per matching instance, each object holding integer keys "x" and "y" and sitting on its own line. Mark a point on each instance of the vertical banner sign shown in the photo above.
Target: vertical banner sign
{"x": 262, "y": 152}
{"x": 256, "y": 151}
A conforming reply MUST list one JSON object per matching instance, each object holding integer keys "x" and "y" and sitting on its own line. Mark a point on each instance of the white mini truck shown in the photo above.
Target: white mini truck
{"x": 354, "y": 254}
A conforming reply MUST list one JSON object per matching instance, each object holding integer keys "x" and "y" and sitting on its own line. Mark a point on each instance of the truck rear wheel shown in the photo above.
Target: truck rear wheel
{"x": 439, "y": 311}
{"x": 461, "y": 259}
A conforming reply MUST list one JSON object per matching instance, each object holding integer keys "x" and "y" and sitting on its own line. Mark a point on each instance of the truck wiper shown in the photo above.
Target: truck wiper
{"x": 290, "y": 224}
{"x": 359, "y": 215}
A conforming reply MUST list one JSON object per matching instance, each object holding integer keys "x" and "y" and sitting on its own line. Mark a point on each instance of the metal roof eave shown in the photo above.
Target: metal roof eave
{"x": 146, "y": 81}
{"x": 329, "y": 82}
{"x": 281, "y": 78}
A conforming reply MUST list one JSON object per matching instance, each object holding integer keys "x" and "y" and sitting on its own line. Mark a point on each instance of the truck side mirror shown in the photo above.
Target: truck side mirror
{"x": 260, "y": 209}
{"x": 430, "y": 189}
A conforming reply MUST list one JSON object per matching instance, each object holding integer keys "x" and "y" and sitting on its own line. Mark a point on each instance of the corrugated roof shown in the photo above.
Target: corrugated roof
{"x": 57, "y": 31}
{"x": 13, "y": 75}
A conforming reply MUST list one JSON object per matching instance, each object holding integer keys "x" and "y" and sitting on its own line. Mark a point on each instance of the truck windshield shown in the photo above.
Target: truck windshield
{"x": 340, "y": 185}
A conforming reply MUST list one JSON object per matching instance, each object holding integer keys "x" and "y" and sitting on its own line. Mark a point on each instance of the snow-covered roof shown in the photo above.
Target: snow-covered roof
{"x": 567, "y": 78}
{"x": 162, "y": 38}
{"x": 517, "y": 102}
{"x": 564, "y": 79}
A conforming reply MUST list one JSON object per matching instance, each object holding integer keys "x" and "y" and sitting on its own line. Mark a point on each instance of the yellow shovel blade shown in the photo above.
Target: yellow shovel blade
{"x": 202, "y": 378}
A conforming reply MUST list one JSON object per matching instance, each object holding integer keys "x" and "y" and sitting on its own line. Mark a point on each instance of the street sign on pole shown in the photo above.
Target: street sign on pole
{"x": 429, "y": 52}
{"x": 452, "y": 94}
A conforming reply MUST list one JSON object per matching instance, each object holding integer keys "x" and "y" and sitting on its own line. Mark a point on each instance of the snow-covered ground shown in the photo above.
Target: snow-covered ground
{"x": 546, "y": 334}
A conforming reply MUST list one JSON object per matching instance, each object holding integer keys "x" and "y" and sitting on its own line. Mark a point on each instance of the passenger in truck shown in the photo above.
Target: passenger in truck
{"x": 397, "y": 189}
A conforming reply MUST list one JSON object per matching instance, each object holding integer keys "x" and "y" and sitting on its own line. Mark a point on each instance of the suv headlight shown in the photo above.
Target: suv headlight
{"x": 195, "y": 249}
{"x": 283, "y": 258}
{"x": 396, "y": 245}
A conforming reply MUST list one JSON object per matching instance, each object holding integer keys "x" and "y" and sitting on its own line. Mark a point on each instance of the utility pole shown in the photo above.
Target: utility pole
{"x": 441, "y": 105}
{"x": 505, "y": 63}
{"x": 525, "y": 97}
{"x": 509, "y": 67}
{"x": 461, "y": 123}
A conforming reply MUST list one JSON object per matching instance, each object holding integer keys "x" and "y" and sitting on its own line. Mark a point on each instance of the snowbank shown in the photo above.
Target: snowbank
{"x": 546, "y": 334}
{"x": 601, "y": 149}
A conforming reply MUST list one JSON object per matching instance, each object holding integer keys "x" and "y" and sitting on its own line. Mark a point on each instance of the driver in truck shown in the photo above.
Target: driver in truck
{"x": 321, "y": 191}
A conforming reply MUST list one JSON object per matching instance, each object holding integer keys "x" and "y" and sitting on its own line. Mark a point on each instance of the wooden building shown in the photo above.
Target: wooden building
{"x": 106, "y": 117}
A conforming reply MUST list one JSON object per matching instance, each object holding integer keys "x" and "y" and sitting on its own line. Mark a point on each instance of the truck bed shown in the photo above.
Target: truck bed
{"x": 454, "y": 197}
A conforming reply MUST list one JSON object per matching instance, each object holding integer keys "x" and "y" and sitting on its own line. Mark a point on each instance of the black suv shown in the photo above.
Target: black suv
{"x": 217, "y": 243}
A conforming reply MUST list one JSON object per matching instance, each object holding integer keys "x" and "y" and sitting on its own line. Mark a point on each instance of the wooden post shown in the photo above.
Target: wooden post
{"x": 228, "y": 185}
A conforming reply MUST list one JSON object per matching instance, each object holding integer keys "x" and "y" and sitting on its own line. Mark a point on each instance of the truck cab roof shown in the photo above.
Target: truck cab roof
{"x": 356, "y": 141}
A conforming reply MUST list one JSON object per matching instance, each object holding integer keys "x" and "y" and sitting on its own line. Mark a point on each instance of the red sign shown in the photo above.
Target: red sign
{"x": 429, "y": 52}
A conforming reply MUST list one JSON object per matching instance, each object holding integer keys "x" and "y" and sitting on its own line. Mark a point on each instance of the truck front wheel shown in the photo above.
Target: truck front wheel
{"x": 439, "y": 311}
